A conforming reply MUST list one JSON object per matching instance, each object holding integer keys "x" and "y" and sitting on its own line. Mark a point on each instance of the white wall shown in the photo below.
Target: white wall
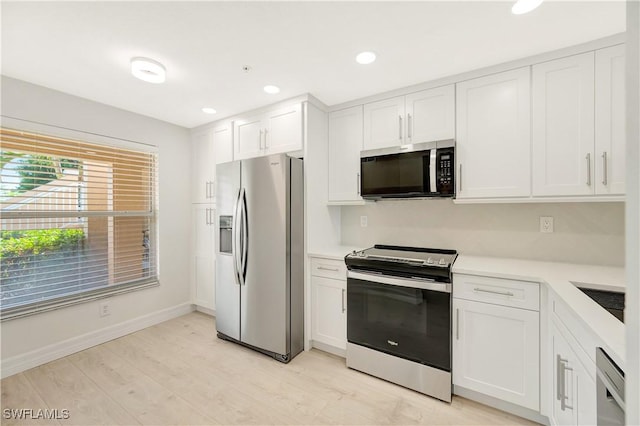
{"x": 26, "y": 337}
{"x": 584, "y": 232}
{"x": 632, "y": 314}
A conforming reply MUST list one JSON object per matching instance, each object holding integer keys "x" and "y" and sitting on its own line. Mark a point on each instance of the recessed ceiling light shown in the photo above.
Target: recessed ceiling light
{"x": 525, "y": 6}
{"x": 148, "y": 70}
{"x": 209, "y": 110}
{"x": 365, "y": 58}
{"x": 271, "y": 89}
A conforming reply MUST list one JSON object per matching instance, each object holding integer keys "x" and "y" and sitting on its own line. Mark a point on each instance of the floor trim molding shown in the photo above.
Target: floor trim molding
{"x": 19, "y": 363}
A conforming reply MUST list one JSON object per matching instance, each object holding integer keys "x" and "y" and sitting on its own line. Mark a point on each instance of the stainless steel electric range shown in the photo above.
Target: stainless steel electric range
{"x": 399, "y": 316}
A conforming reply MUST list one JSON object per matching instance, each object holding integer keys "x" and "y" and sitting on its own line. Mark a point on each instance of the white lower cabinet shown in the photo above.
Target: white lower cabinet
{"x": 574, "y": 389}
{"x": 329, "y": 303}
{"x": 496, "y": 349}
{"x": 203, "y": 258}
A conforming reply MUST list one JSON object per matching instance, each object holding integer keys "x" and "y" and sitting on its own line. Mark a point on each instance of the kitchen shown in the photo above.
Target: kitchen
{"x": 589, "y": 232}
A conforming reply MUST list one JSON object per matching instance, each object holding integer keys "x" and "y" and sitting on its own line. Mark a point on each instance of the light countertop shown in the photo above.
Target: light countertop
{"x": 332, "y": 252}
{"x": 606, "y": 329}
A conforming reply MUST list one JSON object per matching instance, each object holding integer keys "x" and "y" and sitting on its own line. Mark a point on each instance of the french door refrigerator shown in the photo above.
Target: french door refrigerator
{"x": 259, "y": 254}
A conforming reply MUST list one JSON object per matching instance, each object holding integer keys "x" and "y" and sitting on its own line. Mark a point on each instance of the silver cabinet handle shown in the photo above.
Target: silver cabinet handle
{"x": 324, "y": 268}
{"x": 604, "y": 168}
{"x": 265, "y": 139}
{"x": 400, "y": 127}
{"x": 211, "y": 219}
{"x": 460, "y": 178}
{"x": 343, "y": 308}
{"x": 206, "y": 216}
{"x": 561, "y": 377}
{"x": 503, "y": 293}
{"x": 358, "y": 182}
{"x": 206, "y": 190}
{"x": 588, "y": 158}
{"x": 260, "y": 140}
{"x": 457, "y": 324}
{"x": 409, "y": 125}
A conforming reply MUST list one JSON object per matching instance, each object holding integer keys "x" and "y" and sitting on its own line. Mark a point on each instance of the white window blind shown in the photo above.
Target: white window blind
{"x": 78, "y": 221}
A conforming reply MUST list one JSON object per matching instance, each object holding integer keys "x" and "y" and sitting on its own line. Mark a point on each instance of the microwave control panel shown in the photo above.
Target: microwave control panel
{"x": 444, "y": 174}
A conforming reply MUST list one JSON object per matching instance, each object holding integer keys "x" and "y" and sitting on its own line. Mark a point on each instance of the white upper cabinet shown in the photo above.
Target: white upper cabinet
{"x": 248, "y": 137}
{"x": 610, "y": 115}
{"x": 273, "y": 132}
{"x": 345, "y": 144}
{"x": 383, "y": 126}
{"x": 430, "y": 115}
{"x": 223, "y": 143}
{"x": 283, "y": 130}
{"x": 418, "y": 117}
{"x": 204, "y": 166}
{"x": 563, "y": 126}
{"x": 493, "y": 135}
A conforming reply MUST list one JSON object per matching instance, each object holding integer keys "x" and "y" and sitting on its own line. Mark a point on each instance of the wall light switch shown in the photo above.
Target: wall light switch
{"x": 363, "y": 221}
{"x": 546, "y": 224}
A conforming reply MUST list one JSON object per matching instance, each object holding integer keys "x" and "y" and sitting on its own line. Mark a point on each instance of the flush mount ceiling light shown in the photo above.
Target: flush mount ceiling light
{"x": 148, "y": 70}
{"x": 365, "y": 58}
{"x": 525, "y": 6}
{"x": 209, "y": 110}
{"x": 271, "y": 89}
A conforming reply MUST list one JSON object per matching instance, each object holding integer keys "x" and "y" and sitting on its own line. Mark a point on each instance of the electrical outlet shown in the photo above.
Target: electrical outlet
{"x": 363, "y": 221}
{"x": 105, "y": 309}
{"x": 546, "y": 224}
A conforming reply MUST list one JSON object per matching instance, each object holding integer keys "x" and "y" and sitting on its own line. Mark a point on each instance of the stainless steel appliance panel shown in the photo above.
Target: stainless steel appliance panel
{"x": 609, "y": 390}
{"x": 296, "y": 257}
{"x": 227, "y": 286}
{"x": 265, "y": 297}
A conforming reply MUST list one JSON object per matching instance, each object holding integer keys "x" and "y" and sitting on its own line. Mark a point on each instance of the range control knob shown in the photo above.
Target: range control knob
{"x": 430, "y": 261}
{"x": 442, "y": 262}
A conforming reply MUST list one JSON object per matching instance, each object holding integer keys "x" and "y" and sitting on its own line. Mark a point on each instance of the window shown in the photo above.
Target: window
{"x": 78, "y": 221}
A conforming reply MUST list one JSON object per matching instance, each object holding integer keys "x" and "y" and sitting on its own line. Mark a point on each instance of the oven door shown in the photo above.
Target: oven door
{"x": 406, "y": 317}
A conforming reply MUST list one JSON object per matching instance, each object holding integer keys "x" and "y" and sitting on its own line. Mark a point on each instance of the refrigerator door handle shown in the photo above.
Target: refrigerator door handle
{"x": 245, "y": 236}
{"x": 234, "y": 240}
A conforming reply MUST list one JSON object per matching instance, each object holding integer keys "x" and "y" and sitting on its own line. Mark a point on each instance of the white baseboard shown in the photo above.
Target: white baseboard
{"x": 526, "y": 413}
{"x": 19, "y": 363}
{"x": 205, "y": 310}
{"x": 328, "y": 348}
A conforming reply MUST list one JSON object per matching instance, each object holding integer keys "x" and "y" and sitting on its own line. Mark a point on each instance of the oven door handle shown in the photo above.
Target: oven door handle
{"x": 421, "y": 283}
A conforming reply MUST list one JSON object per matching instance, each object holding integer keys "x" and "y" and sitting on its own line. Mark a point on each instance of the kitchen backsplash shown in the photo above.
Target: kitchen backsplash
{"x": 583, "y": 232}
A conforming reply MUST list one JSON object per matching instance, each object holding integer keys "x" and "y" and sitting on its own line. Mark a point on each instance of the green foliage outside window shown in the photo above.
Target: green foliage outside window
{"x": 39, "y": 241}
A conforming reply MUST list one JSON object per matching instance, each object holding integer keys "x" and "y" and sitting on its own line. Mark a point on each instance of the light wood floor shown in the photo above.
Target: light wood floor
{"x": 178, "y": 372}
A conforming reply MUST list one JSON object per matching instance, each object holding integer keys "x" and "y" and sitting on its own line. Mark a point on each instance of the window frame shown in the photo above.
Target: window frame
{"x": 31, "y": 308}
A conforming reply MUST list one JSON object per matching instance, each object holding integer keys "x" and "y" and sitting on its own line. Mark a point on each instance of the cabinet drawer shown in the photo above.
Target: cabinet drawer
{"x": 328, "y": 268}
{"x": 518, "y": 294}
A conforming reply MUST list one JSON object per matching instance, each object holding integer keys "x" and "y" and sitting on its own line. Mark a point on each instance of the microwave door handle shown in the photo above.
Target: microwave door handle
{"x": 432, "y": 171}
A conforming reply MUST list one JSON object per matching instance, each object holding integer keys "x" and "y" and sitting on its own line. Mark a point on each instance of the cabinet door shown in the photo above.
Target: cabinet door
{"x": 574, "y": 389}
{"x": 284, "y": 130}
{"x": 384, "y": 123}
{"x": 223, "y": 143}
{"x": 493, "y": 135}
{"x": 345, "y": 144}
{"x": 430, "y": 115}
{"x": 496, "y": 351}
{"x": 328, "y": 310}
{"x": 563, "y": 126}
{"x": 248, "y": 138}
{"x": 610, "y": 120}
{"x": 203, "y": 258}
{"x": 203, "y": 172}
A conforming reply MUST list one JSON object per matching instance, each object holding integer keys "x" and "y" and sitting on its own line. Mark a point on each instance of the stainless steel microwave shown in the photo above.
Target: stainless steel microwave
{"x": 408, "y": 171}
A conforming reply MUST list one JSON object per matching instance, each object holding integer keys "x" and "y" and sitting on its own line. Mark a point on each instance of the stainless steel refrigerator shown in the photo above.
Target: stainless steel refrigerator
{"x": 259, "y": 254}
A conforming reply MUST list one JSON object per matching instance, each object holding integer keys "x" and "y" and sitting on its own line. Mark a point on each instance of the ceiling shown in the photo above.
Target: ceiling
{"x": 84, "y": 48}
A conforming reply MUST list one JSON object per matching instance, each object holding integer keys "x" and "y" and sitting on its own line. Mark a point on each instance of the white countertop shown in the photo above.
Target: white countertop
{"x": 332, "y": 252}
{"x": 609, "y": 332}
